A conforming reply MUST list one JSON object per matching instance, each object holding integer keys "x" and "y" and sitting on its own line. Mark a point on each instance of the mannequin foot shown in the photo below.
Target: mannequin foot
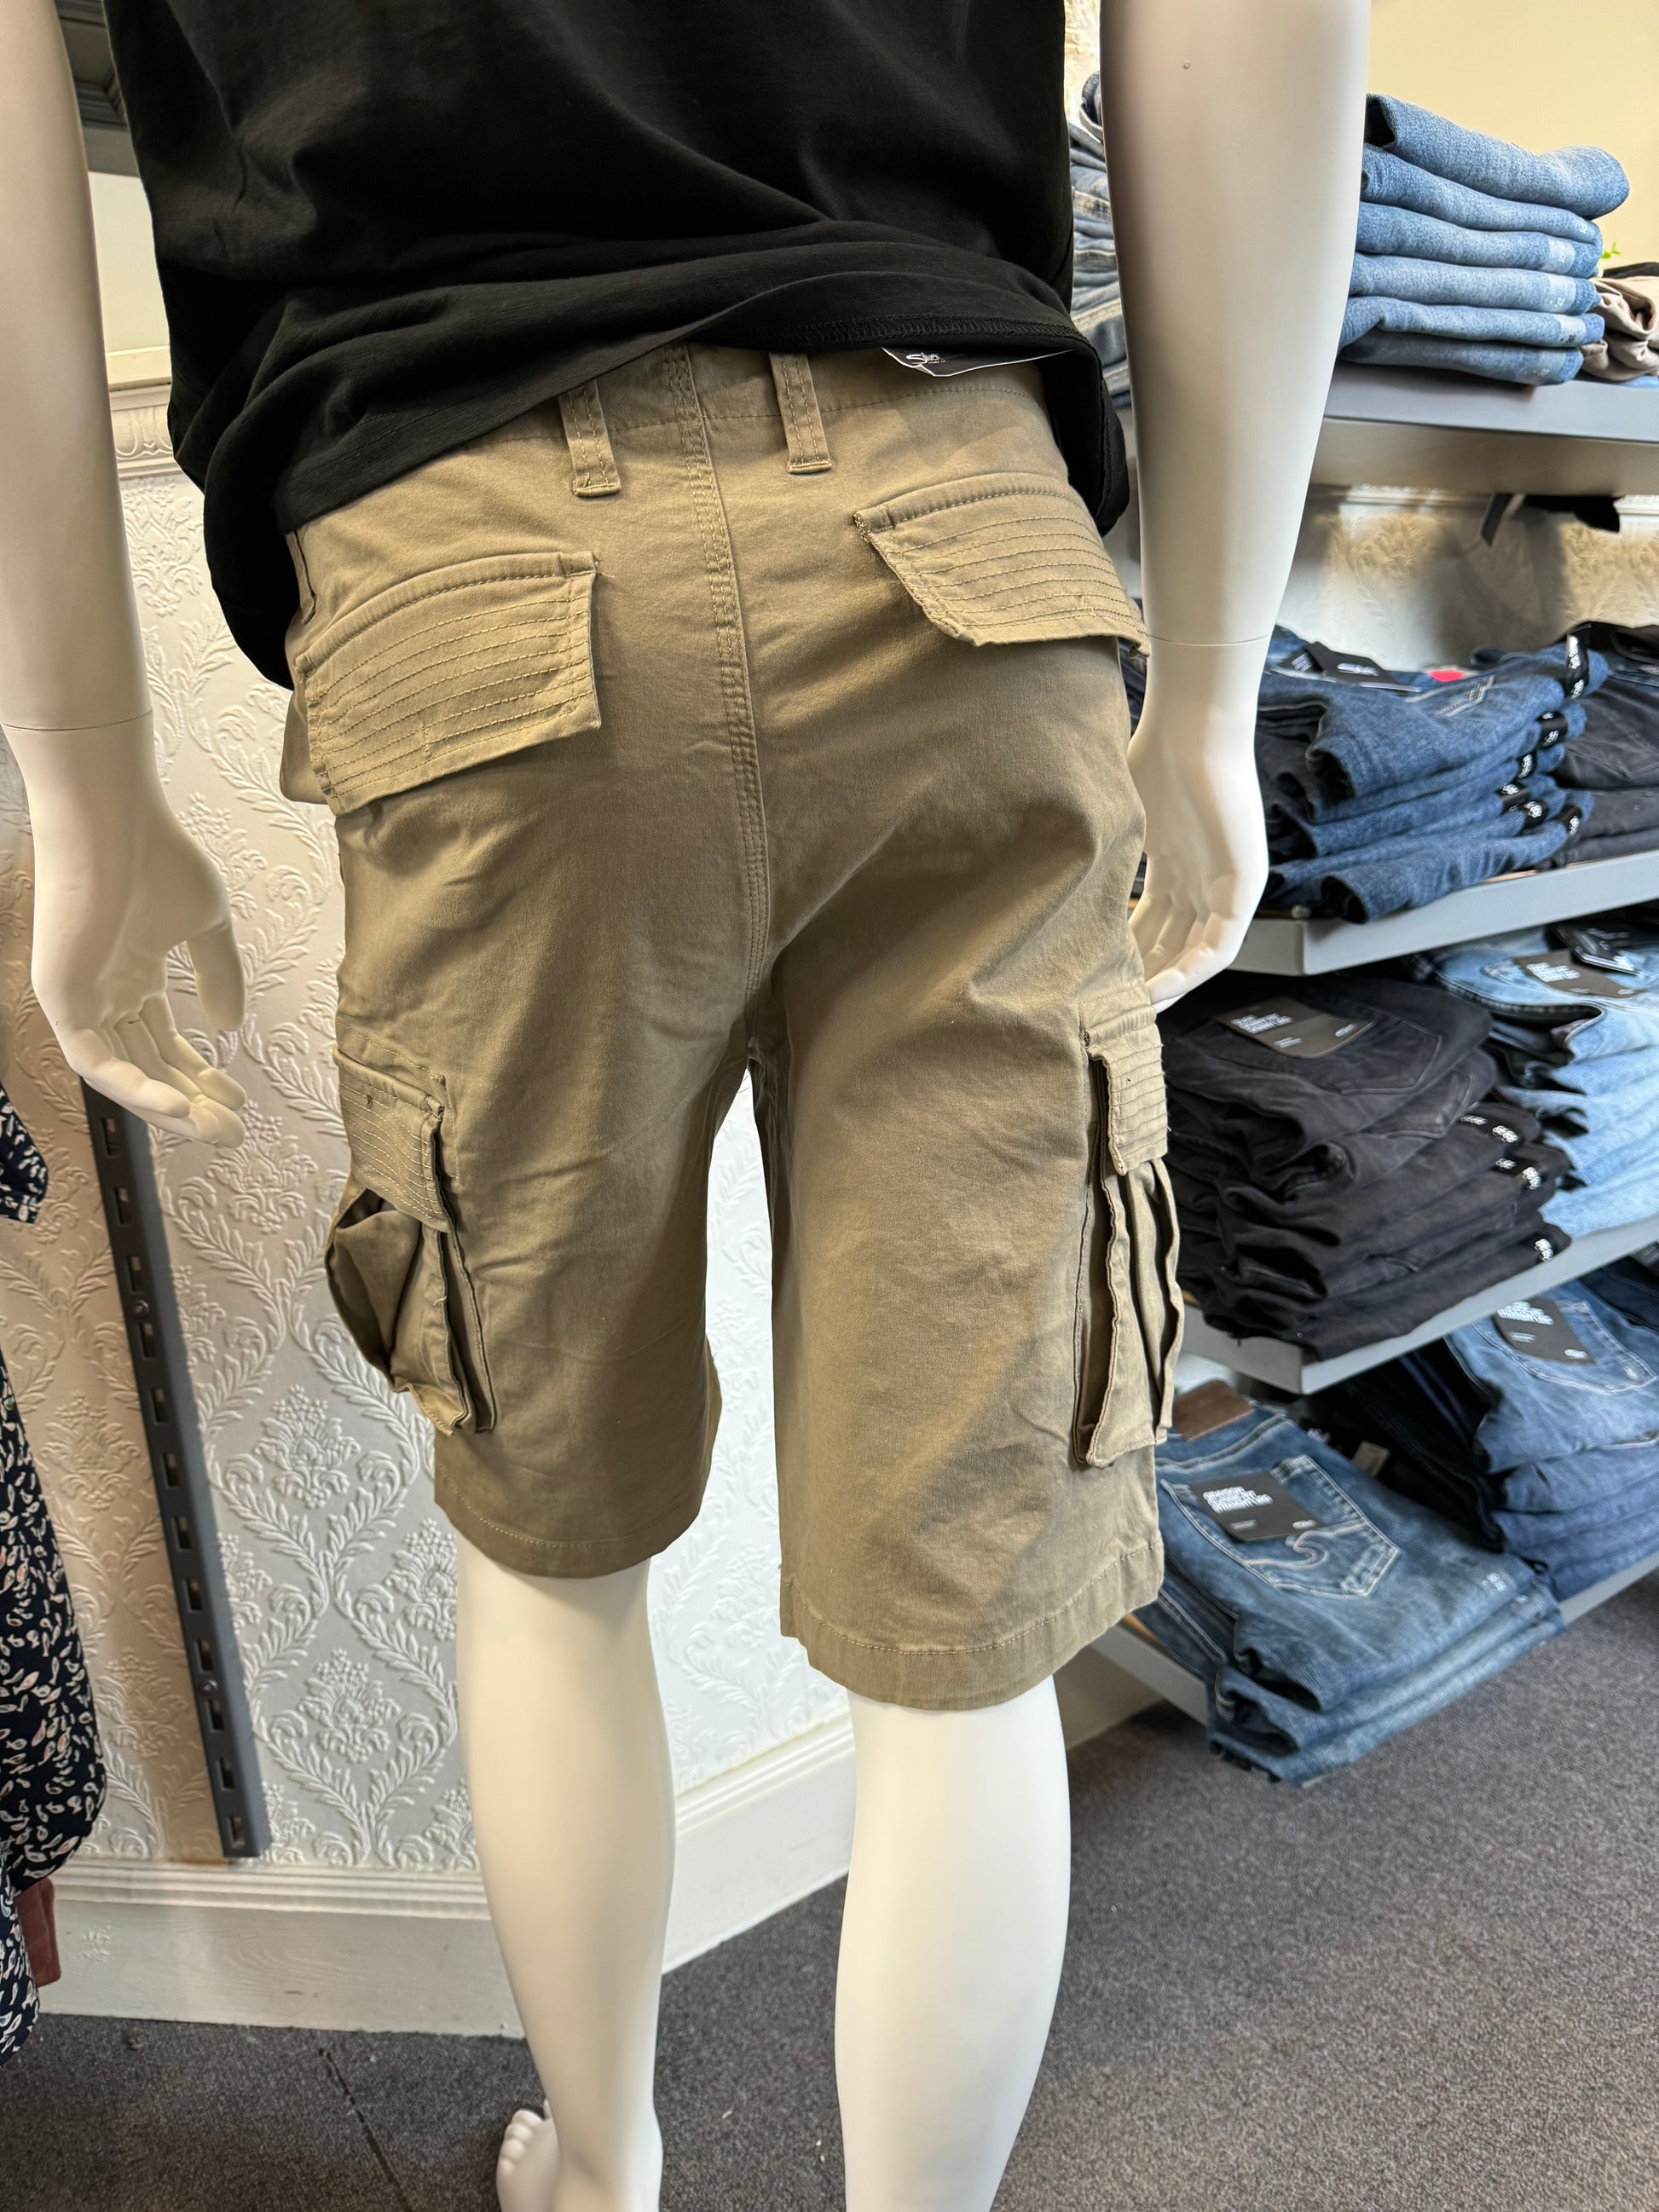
{"x": 528, "y": 2165}
{"x": 527, "y": 2173}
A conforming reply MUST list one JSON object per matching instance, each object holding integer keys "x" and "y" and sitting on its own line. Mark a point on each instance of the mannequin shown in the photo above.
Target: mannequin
{"x": 1233, "y": 131}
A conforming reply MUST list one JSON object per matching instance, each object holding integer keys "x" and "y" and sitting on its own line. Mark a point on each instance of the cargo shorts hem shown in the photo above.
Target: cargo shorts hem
{"x": 958, "y": 1678}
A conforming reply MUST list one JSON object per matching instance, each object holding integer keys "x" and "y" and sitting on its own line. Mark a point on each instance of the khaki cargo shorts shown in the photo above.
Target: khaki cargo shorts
{"x": 738, "y": 713}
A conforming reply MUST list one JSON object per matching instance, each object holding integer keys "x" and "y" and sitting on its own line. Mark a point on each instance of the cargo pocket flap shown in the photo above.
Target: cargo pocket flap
{"x": 446, "y": 670}
{"x": 391, "y": 1127}
{"x": 1128, "y": 1053}
{"x": 1003, "y": 559}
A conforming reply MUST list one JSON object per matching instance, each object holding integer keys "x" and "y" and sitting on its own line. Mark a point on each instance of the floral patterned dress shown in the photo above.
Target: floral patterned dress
{"x": 51, "y": 1776}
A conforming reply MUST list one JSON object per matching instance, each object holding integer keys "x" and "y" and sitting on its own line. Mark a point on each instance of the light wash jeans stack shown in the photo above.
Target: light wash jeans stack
{"x": 1475, "y": 255}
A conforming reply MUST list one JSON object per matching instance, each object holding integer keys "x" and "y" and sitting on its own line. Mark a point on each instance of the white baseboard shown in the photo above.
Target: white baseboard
{"x": 259, "y": 1944}
{"x": 272, "y": 1946}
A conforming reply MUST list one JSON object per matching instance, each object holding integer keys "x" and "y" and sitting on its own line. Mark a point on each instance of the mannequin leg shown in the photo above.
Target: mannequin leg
{"x": 951, "y": 1947}
{"x": 572, "y": 1800}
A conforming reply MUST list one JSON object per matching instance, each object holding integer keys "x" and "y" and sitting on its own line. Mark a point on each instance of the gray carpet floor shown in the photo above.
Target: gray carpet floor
{"x": 1429, "y": 1984}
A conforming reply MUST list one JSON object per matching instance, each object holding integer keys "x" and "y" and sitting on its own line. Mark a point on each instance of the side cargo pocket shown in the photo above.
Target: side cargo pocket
{"x": 393, "y": 1259}
{"x": 1128, "y": 1303}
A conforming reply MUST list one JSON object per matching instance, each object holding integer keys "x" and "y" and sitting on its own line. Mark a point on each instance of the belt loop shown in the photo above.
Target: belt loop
{"x": 592, "y": 460}
{"x": 803, "y": 425}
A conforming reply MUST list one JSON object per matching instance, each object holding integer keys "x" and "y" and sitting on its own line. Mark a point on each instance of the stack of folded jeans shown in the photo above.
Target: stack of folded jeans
{"x": 1389, "y": 788}
{"x": 1537, "y": 1430}
{"x": 1475, "y": 255}
{"x": 1097, "y": 307}
{"x": 1575, "y": 1030}
{"x": 1616, "y": 755}
{"x": 1341, "y": 1169}
{"x": 1315, "y": 1646}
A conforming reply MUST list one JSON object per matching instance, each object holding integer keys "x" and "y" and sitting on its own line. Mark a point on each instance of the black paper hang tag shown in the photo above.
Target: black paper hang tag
{"x": 1257, "y": 1508}
{"x": 1592, "y": 948}
{"x": 1286, "y": 1025}
{"x": 1539, "y": 1328}
{"x": 1352, "y": 667}
{"x": 1583, "y": 982}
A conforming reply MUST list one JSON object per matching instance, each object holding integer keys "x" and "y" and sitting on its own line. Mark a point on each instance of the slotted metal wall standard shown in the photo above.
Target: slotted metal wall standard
{"x": 172, "y": 1437}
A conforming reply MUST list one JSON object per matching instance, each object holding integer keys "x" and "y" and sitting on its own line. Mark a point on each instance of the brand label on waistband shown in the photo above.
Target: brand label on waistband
{"x": 1255, "y": 1508}
{"x": 959, "y": 364}
{"x": 1287, "y": 1026}
{"x": 1583, "y": 982}
{"x": 1207, "y": 1406}
{"x": 1539, "y": 1328}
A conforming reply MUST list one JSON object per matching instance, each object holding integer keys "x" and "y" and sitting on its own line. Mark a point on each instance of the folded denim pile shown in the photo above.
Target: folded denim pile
{"x": 1475, "y": 255}
{"x": 1538, "y": 1430}
{"x": 1574, "y": 1008}
{"x": 1341, "y": 1170}
{"x": 1389, "y": 788}
{"x": 1615, "y": 757}
{"x": 1627, "y": 299}
{"x": 1317, "y": 1646}
{"x": 1097, "y": 307}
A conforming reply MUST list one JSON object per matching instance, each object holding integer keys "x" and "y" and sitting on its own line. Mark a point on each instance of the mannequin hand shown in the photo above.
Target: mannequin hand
{"x": 117, "y": 883}
{"x": 1192, "y": 759}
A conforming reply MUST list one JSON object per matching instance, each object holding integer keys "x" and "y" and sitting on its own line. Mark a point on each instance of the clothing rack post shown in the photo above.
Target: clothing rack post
{"x": 172, "y": 1437}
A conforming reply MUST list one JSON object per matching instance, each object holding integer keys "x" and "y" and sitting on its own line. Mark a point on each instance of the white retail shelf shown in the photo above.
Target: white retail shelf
{"x": 1407, "y": 426}
{"x": 1413, "y": 426}
{"x": 1128, "y": 1646}
{"x": 1289, "y": 1367}
{"x": 1277, "y": 944}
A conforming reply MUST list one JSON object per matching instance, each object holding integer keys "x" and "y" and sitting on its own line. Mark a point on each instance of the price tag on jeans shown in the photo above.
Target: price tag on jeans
{"x": 1583, "y": 982}
{"x": 1539, "y": 1327}
{"x": 1257, "y": 1508}
{"x": 1286, "y": 1025}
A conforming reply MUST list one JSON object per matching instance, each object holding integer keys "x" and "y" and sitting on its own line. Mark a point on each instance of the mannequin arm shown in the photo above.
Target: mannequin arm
{"x": 1233, "y": 132}
{"x": 118, "y": 881}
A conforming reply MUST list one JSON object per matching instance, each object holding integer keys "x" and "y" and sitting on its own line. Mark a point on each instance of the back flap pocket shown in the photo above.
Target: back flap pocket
{"x": 446, "y": 670}
{"x": 393, "y": 1261}
{"x": 1129, "y": 1306}
{"x": 1003, "y": 559}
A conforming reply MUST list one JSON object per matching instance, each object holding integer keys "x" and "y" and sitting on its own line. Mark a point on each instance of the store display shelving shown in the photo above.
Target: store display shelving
{"x": 1279, "y": 945}
{"x": 1446, "y": 433}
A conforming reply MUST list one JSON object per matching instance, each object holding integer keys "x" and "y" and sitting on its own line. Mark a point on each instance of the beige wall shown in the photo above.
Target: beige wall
{"x": 1543, "y": 72}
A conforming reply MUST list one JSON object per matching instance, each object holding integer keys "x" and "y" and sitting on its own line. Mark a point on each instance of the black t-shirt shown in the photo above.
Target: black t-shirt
{"x": 385, "y": 227}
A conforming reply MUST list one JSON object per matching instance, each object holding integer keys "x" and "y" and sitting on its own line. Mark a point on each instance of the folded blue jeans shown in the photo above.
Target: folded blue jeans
{"x": 1503, "y": 364}
{"x": 1399, "y": 230}
{"x": 1511, "y": 977}
{"x": 1392, "y": 182}
{"x": 1254, "y": 1727}
{"x": 1449, "y": 283}
{"x": 1583, "y": 179}
{"x": 1373, "y": 1595}
{"x": 1402, "y": 872}
{"x": 1507, "y": 809}
{"x": 1478, "y": 325}
{"x": 1608, "y": 1200}
{"x": 1363, "y": 739}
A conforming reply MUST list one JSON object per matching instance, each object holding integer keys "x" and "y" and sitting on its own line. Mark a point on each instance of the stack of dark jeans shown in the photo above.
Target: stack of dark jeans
{"x": 1341, "y": 1172}
{"x": 1574, "y": 1010}
{"x": 1387, "y": 789}
{"x": 1475, "y": 255}
{"x": 1538, "y": 1430}
{"x": 1616, "y": 755}
{"x": 1316, "y": 1647}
